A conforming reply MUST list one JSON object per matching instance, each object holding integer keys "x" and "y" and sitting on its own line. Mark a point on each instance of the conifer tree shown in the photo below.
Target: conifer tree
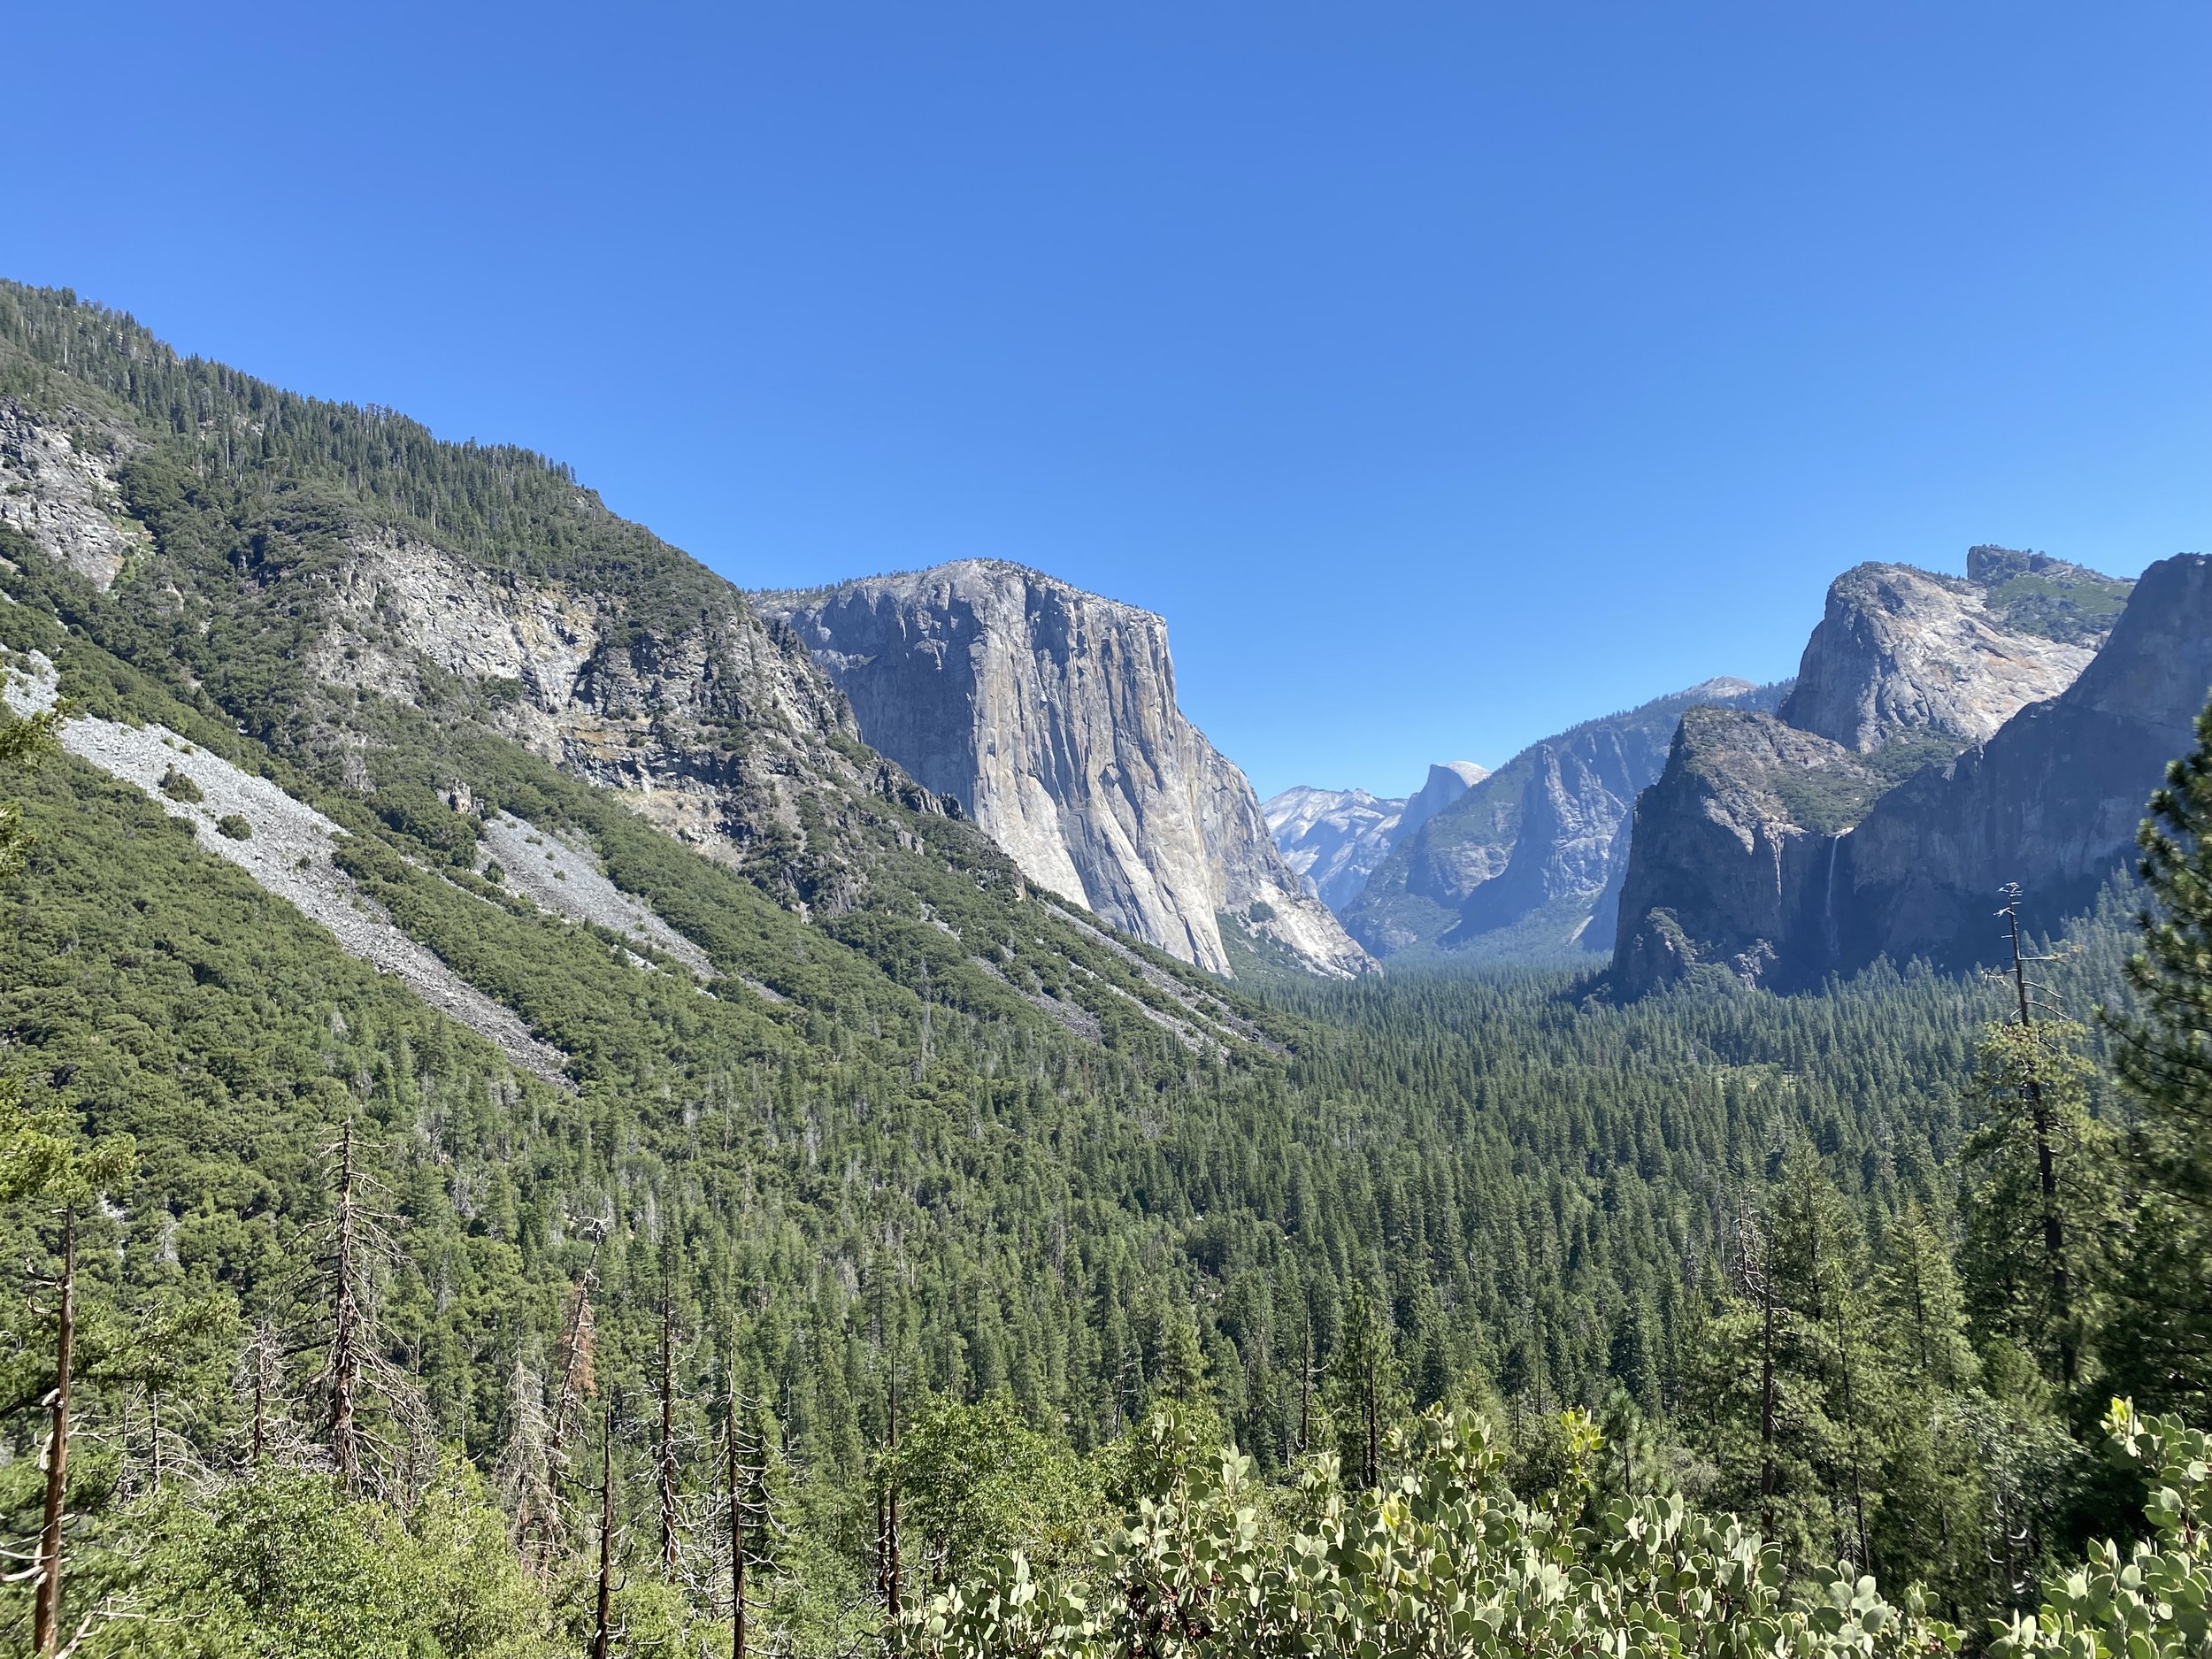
{"x": 1366, "y": 1395}
{"x": 2162, "y": 1345}
{"x": 1924, "y": 1306}
{"x": 23, "y": 744}
{"x": 2165, "y": 1056}
{"x": 371, "y": 1417}
{"x": 2040, "y": 1197}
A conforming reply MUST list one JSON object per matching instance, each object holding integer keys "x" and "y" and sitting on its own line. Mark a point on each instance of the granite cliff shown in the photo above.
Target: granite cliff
{"x": 1778, "y": 854}
{"x": 2052, "y": 801}
{"x": 1526, "y": 862}
{"x": 1905, "y": 654}
{"x": 1050, "y": 714}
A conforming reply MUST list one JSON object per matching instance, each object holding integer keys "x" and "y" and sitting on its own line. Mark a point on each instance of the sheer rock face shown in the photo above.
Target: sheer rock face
{"x": 2052, "y": 801}
{"x": 1051, "y": 713}
{"x": 1529, "y": 859}
{"x": 1779, "y": 856}
{"x": 1903, "y": 653}
{"x": 1728, "y": 862}
{"x": 1335, "y": 838}
{"x": 63, "y": 497}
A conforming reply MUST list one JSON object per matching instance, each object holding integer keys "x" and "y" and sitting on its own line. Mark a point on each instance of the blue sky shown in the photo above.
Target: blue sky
{"x": 1444, "y": 374}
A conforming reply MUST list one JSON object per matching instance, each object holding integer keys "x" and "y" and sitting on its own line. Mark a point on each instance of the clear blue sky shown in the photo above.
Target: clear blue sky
{"x": 1444, "y": 374}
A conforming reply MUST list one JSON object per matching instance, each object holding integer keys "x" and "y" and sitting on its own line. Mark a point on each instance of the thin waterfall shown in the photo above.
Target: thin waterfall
{"x": 1830, "y": 934}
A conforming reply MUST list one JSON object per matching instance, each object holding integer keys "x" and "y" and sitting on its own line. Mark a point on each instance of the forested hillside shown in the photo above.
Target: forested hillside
{"x": 886, "y": 1216}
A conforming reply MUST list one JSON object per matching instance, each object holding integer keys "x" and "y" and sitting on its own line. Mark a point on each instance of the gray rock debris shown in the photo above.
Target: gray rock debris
{"x": 289, "y": 854}
{"x": 567, "y": 881}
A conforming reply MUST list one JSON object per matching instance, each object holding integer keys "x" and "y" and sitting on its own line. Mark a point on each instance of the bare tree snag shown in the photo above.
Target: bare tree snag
{"x": 46, "y": 1609}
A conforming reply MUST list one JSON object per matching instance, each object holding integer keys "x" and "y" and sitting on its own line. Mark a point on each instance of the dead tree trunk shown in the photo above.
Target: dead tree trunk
{"x": 603, "y": 1624}
{"x": 2046, "y": 1132}
{"x": 1752, "y": 1270}
{"x": 737, "y": 1547}
{"x": 668, "y": 1429}
{"x": 893, "y": 1567}
{"x": 576, "y": 1355}
{"x": 1305, "y": 1390}
{"x": 46, "y": 1609}
{"x": 345, "y": 1340}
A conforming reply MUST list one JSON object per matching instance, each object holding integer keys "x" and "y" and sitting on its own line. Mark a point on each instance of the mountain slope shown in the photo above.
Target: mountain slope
{"x": 1051, "y": 713}
{"x": 414, "y": 639}
{"x": 1525, "y": 862}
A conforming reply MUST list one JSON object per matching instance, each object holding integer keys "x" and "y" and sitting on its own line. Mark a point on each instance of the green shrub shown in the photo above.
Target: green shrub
{"x": 2154, "y": 1600}
{"x": 417, "y": 812}
{"x": 234, "y": 826}
{"x": 1444, "y": 1560}
{"x": 178, "y": 785}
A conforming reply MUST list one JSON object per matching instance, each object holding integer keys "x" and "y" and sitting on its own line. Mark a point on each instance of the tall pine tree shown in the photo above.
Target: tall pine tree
{"x": 2163, "y": 1351}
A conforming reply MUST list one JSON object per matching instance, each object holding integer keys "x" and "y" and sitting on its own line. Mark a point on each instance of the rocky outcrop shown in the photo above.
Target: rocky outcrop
{"x": 1335, "y": 838}
{"x": 1527, "y": 860}
{"x": 1904, "y": 654}
{"x": 2052, "y": 801}
{"x": 1780, "y": 857}
{"x": 717, "y": 725}
{"x": 1050, "y": 714}
{"x": 1447, "y": 782}
{"x": 1730, "y": 862}
{"x": 61, "y": 495}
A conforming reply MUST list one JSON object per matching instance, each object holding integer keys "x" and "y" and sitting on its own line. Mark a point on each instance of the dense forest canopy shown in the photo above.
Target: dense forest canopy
{"x": 839, "y": 1297}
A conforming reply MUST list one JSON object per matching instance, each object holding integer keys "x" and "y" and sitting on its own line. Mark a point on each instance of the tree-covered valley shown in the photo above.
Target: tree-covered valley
{"x": 779, "y": 1227}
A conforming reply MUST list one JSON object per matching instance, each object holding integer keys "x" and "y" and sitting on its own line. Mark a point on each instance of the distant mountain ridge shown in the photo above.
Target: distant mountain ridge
{"x": 1527, "y": 863}
{"x": 1335, "y": 838}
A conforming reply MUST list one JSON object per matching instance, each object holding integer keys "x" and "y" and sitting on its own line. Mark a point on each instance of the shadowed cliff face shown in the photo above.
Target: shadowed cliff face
{"x": 1777, "y": 856}
{"x": 1527, "y": 861}
{"x": 1051, "y": 713}
{"x": 1728, "y": 853}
